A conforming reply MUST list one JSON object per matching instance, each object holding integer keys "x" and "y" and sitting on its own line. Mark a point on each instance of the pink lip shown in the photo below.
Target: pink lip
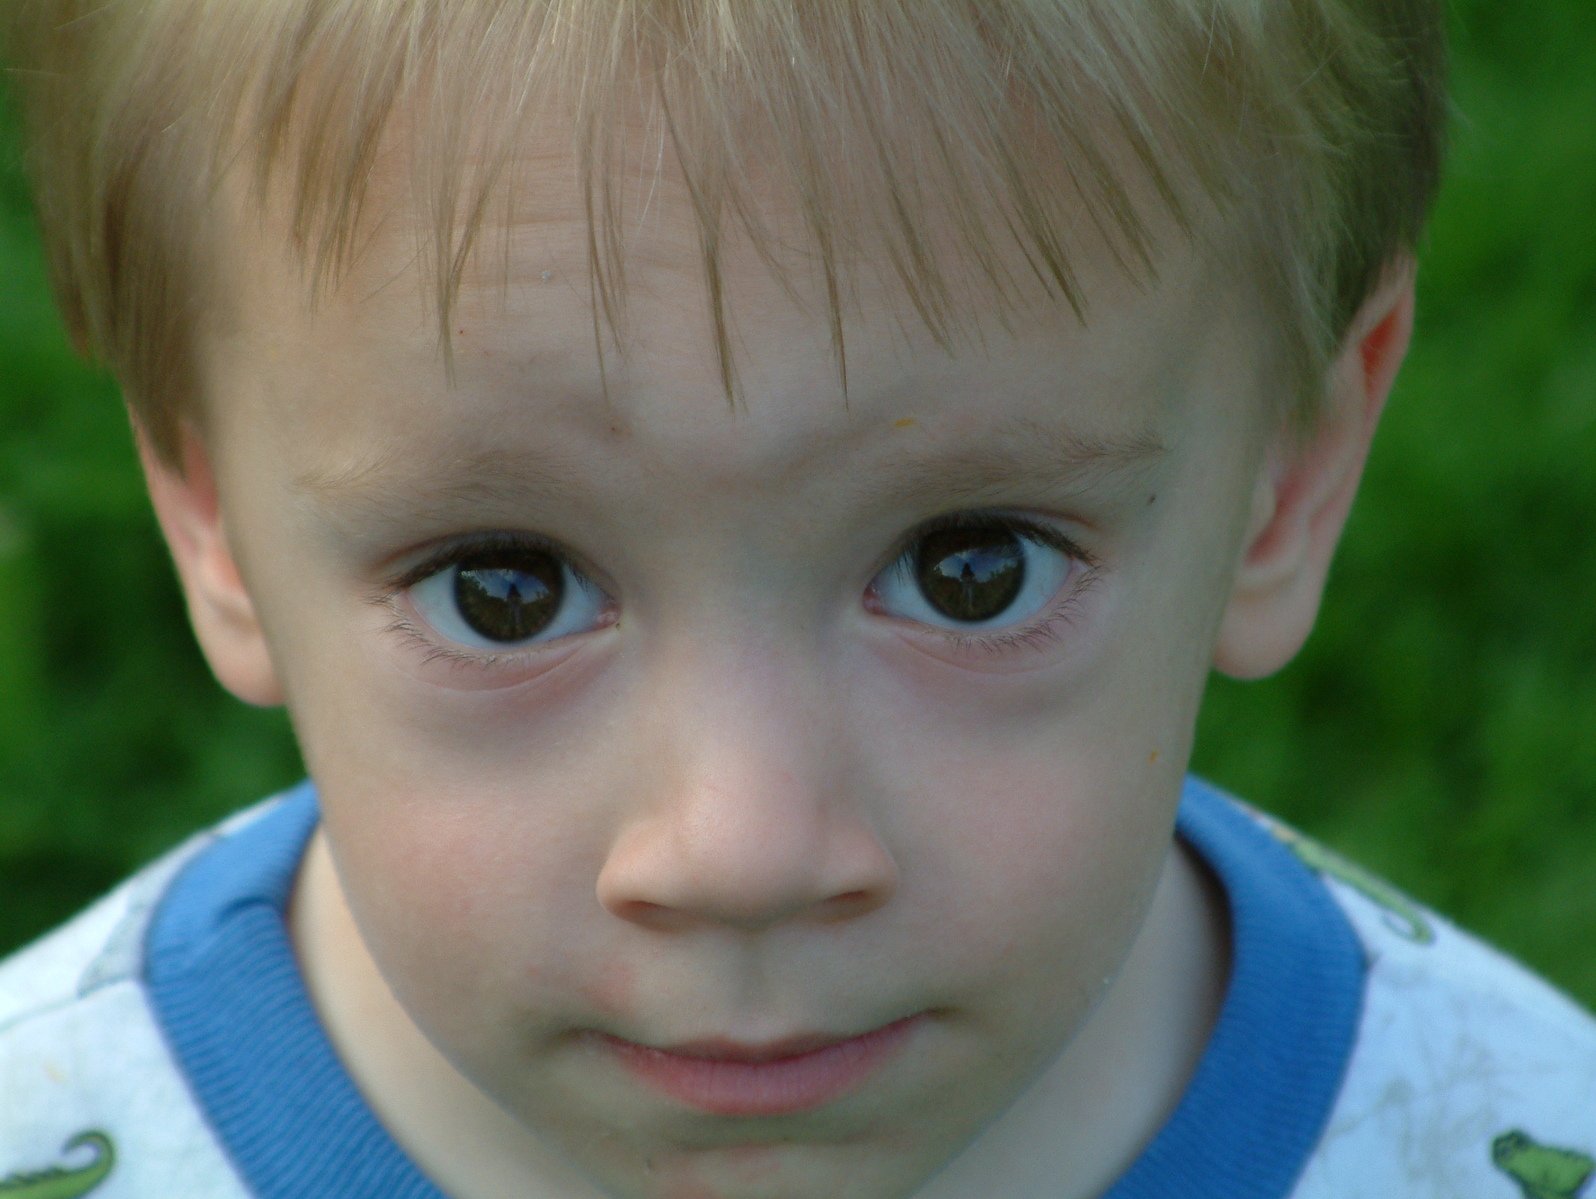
{"x": 729, "y": 1078}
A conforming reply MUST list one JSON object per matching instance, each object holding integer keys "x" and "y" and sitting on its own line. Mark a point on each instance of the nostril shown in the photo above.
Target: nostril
{"x": 748, "y": 859}
{"x": 658, "y": 916}
{"x": 850, "y": 905}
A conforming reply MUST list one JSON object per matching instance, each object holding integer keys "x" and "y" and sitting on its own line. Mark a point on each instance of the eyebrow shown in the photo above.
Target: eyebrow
{"x": 482, "y": 478}
{"x": 1053, "y": 456}
{"x": 1050, "y": 458}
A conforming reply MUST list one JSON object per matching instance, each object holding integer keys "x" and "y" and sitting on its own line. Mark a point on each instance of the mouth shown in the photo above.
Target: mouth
{"x": 736, "y": 1078}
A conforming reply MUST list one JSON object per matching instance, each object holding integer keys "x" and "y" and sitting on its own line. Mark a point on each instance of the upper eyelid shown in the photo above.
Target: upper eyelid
{"x": 456, "y": 549}
{"x": 1035, "y": 527}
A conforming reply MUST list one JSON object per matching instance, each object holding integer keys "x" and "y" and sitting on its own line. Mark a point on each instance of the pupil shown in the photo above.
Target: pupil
{"x": 509, "y": 600}
{"x": 970, "y": 574}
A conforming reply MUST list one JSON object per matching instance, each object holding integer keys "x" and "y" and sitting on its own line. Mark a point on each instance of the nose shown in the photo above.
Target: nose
{"x": 749, "y": 816}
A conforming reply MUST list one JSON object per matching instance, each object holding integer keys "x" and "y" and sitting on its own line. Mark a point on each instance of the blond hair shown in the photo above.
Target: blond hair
{"x": 1314, "y": 126}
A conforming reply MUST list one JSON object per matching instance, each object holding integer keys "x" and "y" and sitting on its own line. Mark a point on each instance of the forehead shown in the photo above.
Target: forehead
{"x": 530, "y": 327}
{"x": 955, "y": 225}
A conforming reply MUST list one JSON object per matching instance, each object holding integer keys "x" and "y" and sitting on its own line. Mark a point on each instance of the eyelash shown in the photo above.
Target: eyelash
{"x": 1038, "y": 634}
{"x": 432, "y": 651}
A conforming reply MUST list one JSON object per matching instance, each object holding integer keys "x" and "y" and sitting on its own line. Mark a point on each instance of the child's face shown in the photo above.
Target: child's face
{"x": 653, "y": 722}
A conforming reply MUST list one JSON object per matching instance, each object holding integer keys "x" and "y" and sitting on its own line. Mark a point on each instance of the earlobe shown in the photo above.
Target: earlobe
{"x": 219, "y": 604}
{"x": 1306, "y": 488}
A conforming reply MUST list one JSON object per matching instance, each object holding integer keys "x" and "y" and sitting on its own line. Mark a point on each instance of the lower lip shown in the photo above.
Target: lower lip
{"x": 778, "y": 1087}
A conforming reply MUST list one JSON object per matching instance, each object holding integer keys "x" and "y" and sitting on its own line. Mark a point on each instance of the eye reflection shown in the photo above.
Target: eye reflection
{"x": 970, "y": 575}
{"x": 509, "y": 602}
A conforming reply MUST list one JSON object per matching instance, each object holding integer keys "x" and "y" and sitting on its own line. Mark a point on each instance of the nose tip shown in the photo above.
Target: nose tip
{"x": 747, "y": 865}
{"x": 751, "y": 805}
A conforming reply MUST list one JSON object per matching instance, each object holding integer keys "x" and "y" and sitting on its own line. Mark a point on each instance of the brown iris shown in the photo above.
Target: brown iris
{"x": 971, "y": 575}
{"x": 511, "y": 596}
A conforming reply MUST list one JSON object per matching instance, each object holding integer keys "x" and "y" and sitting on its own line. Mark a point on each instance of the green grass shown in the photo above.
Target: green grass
{"x": 1440, "y": 726}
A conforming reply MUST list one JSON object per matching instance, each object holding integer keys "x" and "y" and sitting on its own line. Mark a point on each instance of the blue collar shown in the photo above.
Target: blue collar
{"x": 1263, "y": 1090}
{"x": 226, "y": 988}
{"x": 227, "y": 991}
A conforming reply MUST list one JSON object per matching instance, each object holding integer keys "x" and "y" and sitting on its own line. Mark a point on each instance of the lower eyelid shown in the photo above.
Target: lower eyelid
{"x": 1062, "y": 611}
{"x": 464, "y": 669}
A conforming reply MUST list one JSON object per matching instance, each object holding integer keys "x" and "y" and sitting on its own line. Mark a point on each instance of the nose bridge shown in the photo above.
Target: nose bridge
{"x": 750, "y": 815}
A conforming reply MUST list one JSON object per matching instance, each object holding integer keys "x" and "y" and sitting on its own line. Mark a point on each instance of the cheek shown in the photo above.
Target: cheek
{"x": 1036, "y": 838}
{"x": 1045, "y": 855}
{"x": 475, "y": 847}
{"x": 1039, "y": 811}
{"x": 466, "y": 911}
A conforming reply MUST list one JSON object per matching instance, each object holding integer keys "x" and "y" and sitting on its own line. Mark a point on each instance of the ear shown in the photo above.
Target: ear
{"x": 219, "y": 605}
{"x": 1306, "y": 489}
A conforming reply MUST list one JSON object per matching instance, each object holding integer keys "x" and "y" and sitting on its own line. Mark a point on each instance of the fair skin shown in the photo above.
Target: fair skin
{"x": 750, "y": 786}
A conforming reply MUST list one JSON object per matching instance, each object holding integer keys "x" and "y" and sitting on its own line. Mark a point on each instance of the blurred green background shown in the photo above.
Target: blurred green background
{"x": 1440, "y": 727}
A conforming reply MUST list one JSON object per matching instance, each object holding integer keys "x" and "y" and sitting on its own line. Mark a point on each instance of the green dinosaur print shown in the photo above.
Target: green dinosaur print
{"x": 1402, "y": 915}
{"x": 1541, "y": 1171}
{"x": 65, "y": 1182}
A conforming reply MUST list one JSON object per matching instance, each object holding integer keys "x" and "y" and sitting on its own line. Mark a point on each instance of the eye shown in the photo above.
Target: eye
{"x": 972, "y": 572}
{"x": 505, "y": 594}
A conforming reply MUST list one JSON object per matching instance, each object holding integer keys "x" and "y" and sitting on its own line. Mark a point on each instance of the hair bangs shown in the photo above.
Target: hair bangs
{"x": 1021, "y": 126}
